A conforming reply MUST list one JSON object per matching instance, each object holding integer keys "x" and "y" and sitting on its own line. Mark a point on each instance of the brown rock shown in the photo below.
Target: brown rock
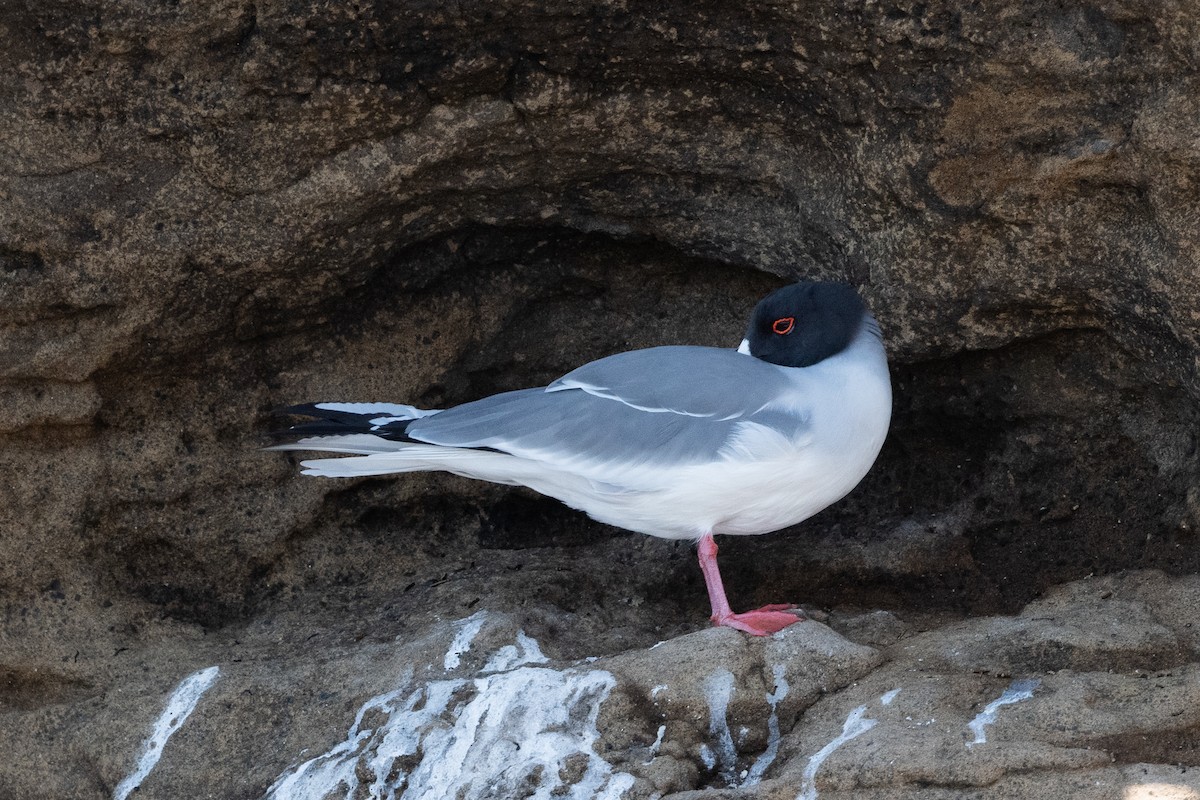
{"x": 211, "y": 210}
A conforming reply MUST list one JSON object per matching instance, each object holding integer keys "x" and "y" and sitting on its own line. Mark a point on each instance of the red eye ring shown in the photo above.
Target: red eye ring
{"x": 784, "y": 325}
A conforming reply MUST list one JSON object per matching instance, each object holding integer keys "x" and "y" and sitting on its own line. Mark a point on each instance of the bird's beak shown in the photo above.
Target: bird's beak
{"x": 744, "y": 347}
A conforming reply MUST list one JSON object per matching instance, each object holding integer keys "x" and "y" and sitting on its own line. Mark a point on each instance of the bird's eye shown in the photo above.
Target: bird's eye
{"x": 783, "y": 325}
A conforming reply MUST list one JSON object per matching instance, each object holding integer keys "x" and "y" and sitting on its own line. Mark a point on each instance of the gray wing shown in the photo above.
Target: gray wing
{"x": 662, "y": 406}
{"x": 696, "y": 381}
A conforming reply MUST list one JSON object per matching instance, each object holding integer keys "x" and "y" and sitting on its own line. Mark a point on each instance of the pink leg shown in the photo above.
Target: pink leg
{"x": 760, "y": 622}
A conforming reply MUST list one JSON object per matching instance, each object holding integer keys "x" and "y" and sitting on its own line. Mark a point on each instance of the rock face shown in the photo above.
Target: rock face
{"x": 1092, "y": 692}
{"x": 208, "y": 210}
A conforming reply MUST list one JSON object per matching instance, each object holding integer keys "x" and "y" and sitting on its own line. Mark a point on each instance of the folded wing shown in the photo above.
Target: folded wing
{"x": 615, "y": 421}
{"x": 666, "y": 406}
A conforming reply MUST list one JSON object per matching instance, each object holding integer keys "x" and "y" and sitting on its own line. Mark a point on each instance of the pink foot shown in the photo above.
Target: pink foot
{"x": 761, "y": 621}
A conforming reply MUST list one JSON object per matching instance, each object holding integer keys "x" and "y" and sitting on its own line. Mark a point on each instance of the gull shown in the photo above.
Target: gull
{"x": 680, "y": 442}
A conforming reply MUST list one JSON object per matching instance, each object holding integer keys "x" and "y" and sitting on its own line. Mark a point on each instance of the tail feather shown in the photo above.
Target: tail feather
{"x": 363, "y": 444}
{"x": 375, "y": 445}
{"x": 374, "y": 437}
{"x": 408, "y": 457}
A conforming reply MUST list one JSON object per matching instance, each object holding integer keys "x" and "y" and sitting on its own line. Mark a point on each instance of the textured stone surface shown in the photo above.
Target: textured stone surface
{"x": 508, "y": 704}
{"x": 208, "y": 210}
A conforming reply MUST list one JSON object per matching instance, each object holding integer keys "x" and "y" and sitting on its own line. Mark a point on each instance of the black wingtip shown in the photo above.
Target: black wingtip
{"x": 331, "y": 422}
{"x": 322, "y": 425}
{"x": 304, "y": 429}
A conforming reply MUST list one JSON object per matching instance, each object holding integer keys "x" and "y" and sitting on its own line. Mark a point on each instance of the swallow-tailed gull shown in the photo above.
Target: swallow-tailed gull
{"x": 680, "y": 442}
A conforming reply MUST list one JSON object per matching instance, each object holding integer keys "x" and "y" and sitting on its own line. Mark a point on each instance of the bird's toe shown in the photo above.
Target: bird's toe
{"x": 760, "y": 622}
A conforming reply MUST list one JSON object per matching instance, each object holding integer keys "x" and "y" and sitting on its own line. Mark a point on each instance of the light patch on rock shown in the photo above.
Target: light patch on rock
{"x": 1161, "y": 791}
{"x": 180, "y": 706}
{"x": 511, "y": 656}
{"x": 718, "y": 687}
{"x": 527, "y": 731}
{"x": 467, "y": 630}
{"x": 722, "y": 753}
{"x": 854, "y": 726}
{"x": 1018, "y": 691}
{"x": 658, "y": 740}
{"x": 888, "y": 697}
{"x": 764, "y": 761}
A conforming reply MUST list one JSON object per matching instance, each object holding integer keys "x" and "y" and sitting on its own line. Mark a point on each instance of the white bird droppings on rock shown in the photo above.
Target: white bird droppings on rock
{"x": 854, "y": 726}
{"x": 467, "y": 630}
{"x": 517, "y": 732}
{"x": 525, "y": 651}
{"x": 180, "y": 706}
{"x": 764, "y": 761}
{"x": 1018, "y": 691}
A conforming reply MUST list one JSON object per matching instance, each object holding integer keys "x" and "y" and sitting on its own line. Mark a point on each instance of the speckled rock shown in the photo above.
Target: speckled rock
{"x": 501, "y": 704}
{"x": 209, "y": 210}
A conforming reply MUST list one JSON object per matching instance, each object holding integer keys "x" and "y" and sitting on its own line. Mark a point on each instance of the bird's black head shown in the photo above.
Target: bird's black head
{"x": 804, "y": 323}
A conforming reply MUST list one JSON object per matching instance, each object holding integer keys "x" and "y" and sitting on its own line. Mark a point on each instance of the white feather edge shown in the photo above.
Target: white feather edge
{"x": 608, "y": 394}
{"x": 396, "y": 410}
{"x": 363, "y": 444}
{"x": 573, "y": 489}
